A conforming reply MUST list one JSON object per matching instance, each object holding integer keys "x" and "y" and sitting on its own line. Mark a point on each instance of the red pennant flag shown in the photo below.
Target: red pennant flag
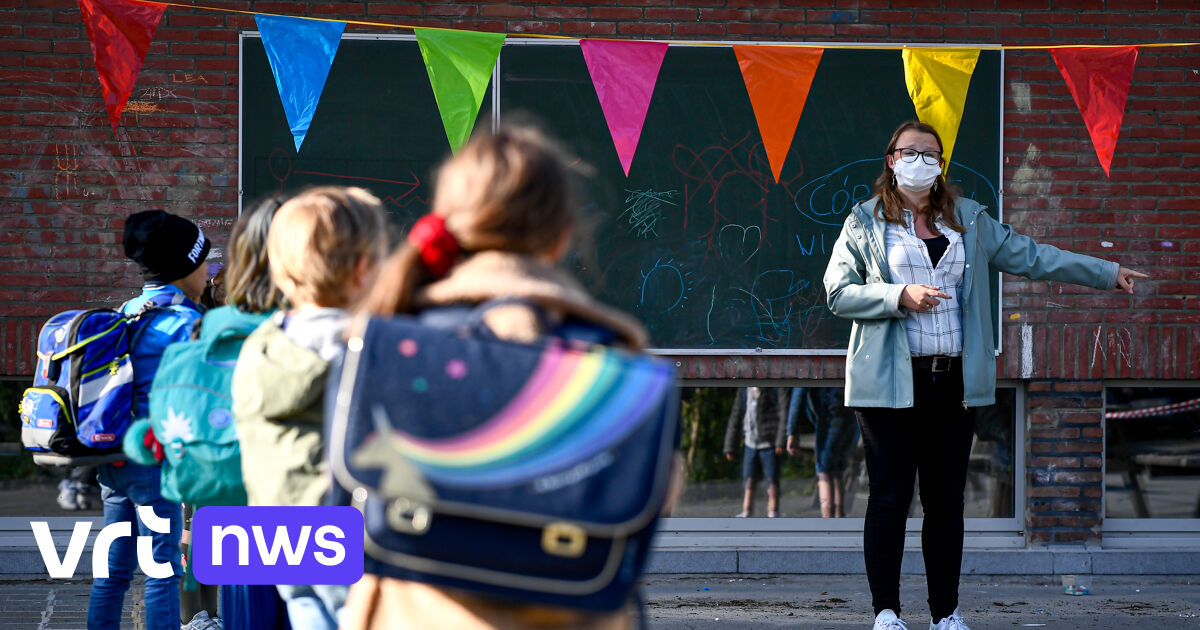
{"x": 120, "y": 32}
{"x": 778, "y": 79}
{"x": 1099, "y": 80}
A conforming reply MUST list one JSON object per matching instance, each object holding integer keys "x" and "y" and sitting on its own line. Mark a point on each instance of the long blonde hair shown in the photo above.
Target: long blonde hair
{"x": 506, "y": 191}
{"x": 247, "y": 275}
{"x": 941, "y": 197}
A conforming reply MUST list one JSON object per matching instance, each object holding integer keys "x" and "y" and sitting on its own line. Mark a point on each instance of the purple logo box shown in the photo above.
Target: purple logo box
{"x": 277, "y": 545}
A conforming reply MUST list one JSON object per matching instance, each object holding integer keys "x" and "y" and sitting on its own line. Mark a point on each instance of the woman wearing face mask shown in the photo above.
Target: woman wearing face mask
{"x": 911, "y": 269}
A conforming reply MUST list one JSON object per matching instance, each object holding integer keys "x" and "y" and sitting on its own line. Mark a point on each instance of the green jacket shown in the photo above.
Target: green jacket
{"x": 858, "y": 285}
{"x": 278, "y": 394}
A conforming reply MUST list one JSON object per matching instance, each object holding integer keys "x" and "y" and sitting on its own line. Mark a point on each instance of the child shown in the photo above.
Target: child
{"x": 245, "y": 285}
{"x": 171, "y": 252}
{"x": 323, "y": 247}
{"x": 758, "y": 415}
{"x": 503, "y": 199}
{"x": 836, "y": 436}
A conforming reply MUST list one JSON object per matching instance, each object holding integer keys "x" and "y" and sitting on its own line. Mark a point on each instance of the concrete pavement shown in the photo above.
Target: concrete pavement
{"x": 843, "y": 602}
{"x": 798, "y": 602}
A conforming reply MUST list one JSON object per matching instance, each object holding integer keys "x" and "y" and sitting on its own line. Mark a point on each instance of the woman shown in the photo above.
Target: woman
{"x": 501, "y": 220}
{"x": 911, "y": 269}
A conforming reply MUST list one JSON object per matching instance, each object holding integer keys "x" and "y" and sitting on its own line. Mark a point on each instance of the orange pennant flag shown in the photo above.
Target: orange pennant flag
{"x": 778, "y": 79}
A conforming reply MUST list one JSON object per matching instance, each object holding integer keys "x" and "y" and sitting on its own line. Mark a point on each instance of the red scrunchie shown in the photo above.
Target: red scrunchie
{"x": 437, "y": 246}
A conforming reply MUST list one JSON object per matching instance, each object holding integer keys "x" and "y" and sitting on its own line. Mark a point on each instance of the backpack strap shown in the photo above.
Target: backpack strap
{"x": 150, "y": 309}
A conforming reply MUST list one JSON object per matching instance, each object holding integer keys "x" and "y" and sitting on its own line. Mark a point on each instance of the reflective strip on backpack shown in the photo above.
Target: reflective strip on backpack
{"x": 97, "y": 388}
{"x": 85, "y": 342}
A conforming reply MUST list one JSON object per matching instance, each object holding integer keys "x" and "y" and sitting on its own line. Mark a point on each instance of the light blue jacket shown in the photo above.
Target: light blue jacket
{"x": 858, "y": 285}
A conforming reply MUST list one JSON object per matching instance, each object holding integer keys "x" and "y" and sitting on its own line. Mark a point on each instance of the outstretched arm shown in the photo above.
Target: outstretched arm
{"x": 1020, "y": 255}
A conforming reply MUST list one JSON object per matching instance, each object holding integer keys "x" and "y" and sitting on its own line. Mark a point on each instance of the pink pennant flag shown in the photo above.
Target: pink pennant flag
{"x": 1099, "y": 80}
{"x": 624, "y": 74}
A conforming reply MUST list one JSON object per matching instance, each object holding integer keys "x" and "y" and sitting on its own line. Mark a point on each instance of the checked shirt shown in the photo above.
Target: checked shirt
{"x": 937, "y": 331}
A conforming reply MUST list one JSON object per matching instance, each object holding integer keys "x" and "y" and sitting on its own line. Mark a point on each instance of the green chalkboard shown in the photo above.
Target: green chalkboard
{"x": 699, "y": 242}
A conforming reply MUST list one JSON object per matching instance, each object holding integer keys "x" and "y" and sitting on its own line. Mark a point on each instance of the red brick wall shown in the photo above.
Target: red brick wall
{"x": 67, "y": 181}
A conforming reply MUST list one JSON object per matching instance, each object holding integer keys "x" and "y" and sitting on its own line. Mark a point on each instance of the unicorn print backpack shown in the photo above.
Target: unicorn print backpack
{"x": 534, "y": 472}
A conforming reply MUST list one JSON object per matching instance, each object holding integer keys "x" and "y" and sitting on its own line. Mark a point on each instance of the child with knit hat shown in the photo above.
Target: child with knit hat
{"x": 171, "y": 253}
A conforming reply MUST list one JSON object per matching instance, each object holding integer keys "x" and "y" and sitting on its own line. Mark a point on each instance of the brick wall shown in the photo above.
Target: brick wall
{"x": 67, "y": 181}
{"x": 1064, "y": 471}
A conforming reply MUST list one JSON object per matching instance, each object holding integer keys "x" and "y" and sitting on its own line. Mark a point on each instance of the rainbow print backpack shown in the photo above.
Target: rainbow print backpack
{"x": 531, "y": 472}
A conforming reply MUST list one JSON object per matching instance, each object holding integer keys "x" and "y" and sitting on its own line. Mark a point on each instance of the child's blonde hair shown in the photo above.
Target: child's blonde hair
{"x": 506, "y": 191}
{"x": 317, "y": 240}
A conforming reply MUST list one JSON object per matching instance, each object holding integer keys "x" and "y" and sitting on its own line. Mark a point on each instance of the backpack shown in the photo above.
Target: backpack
{"x": 534, "y": 472}
{"x": 190, "y": 412}
{"x": 82, "y": 398}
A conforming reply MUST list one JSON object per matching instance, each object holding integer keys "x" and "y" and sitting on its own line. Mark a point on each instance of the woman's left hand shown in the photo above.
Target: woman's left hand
{"x": 1125, "y": 279}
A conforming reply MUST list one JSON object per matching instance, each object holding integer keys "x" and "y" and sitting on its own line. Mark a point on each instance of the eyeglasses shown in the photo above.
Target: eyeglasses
{"x": 932, "y": 158}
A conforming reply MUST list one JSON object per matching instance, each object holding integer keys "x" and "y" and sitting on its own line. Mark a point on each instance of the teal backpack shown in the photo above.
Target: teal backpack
{"x": 190, "y": 412}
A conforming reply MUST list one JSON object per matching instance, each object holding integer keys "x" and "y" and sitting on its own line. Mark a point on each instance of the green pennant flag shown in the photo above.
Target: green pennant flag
{"x": 460, "y": 65}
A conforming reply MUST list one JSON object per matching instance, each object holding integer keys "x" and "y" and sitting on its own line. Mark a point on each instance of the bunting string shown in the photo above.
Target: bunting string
{"x": 460, "y": 63}
{"x": 829, "y": 46}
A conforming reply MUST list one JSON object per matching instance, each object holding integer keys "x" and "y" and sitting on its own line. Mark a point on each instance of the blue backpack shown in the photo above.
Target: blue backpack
{"x": 190, "y": 413}
{"x": 534, "y": 472}
{"x": 81, "y": 402}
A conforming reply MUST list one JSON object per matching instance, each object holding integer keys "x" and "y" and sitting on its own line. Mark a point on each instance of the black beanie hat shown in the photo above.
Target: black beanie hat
{"x": 167, "y": 247}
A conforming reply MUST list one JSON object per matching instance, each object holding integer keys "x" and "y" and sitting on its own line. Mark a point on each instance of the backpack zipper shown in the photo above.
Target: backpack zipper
{"x": 112, "y": 366}
{"x": 71, "y": 334}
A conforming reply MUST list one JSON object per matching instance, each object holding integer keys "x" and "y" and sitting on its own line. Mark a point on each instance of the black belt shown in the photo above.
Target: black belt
{"x": 936, "y": 364}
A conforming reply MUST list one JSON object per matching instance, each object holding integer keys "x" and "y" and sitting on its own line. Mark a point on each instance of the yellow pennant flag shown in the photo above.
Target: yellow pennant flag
{"x": 937, "y": 82}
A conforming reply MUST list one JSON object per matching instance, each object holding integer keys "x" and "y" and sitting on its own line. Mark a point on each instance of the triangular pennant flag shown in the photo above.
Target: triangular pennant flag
{"x": 624, "y": 74}
{"x": 937, "y": 82}
{"x": 460, "y": 66}
{"x": 301, "y": 53}
{"x": 1099, "y": 80}
{"x": 120, "y": 32}
{"x": 777, "y": 79}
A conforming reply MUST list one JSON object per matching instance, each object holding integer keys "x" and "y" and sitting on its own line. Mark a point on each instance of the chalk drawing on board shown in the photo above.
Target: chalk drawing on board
{"x": 665, "y": 286}
{"x": 738, "y": 243}
{"x": 644, "y": 209}
{"x": 826, "y": 199}
{"x": 281, "y": 167}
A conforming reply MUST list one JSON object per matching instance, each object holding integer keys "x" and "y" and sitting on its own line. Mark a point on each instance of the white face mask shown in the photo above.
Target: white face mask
{"x": 916, "y": 176}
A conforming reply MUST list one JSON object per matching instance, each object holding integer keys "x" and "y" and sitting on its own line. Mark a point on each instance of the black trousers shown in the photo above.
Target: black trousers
{"x": 932, "y": 441}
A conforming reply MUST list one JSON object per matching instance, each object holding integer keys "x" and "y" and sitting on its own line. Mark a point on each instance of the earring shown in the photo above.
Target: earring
{"x": 893, "y": 180}
{"x": 935, "y": 185}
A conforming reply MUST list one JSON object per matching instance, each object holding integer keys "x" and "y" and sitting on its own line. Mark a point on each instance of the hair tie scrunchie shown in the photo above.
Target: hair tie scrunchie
{"x": 436, "y": 245}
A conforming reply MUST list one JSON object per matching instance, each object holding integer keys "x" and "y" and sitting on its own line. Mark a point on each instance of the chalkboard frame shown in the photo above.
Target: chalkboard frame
{"x": 495, "y": 121}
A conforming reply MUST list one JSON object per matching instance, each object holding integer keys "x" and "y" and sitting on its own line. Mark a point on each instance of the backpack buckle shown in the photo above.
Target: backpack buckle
{"x": 565, "y": 540}
{"x": 408, "y": 517}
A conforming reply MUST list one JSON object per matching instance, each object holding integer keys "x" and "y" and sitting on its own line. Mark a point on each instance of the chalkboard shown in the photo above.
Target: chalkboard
{"x": 699, "y": 241}
{"x": 377, "y": 126}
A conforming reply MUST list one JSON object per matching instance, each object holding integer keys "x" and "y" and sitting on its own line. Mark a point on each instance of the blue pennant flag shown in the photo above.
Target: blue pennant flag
{"x": 301, "y": 52}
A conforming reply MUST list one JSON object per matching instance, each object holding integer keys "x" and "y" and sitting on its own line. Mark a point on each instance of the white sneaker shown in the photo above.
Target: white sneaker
{"x": 82, "y": 500}
{"x": 953, "y": 622}
{"x": 68, "y": 495}
{"x": 203, "y": 622}
{"x": 887, "y": 620}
